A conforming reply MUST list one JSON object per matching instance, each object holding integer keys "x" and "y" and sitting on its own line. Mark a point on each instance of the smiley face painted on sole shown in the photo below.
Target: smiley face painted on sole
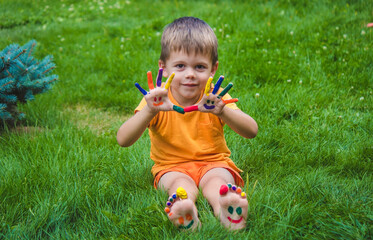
{"x": 183, "y": 222}
{"x": 232, "y": 211}
{"x": 181, "y": 211}
{"x": 209, "y": 104}
{"x": 234, "y": 206}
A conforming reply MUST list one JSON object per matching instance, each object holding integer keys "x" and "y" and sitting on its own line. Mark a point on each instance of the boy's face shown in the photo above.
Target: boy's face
{"x": 191, "y": 74}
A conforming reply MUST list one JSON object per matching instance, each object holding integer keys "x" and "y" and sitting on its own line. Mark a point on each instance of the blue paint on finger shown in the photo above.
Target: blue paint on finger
{"x": 218, "y": 84}
{"x": 141, "y": 89}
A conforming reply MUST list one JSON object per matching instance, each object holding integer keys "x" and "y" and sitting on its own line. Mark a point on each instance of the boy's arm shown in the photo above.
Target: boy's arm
{"x": 239, "y": 122}
{"x": 133, "y": 128}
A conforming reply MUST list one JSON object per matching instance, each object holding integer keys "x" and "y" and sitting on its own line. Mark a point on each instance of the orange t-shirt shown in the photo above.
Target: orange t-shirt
{"x": 194, "y": 136}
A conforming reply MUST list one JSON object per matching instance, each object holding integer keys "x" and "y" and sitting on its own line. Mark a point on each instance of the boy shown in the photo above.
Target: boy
{"x": 189, "y": 150}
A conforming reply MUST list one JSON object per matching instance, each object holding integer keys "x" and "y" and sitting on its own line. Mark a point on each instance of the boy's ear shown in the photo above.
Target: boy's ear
{"x": 161, "y": 64}
{"x": 214, "y": 68}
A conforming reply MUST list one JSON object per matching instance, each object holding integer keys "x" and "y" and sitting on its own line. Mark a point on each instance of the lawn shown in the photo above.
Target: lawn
{"x": 302, "y": 69}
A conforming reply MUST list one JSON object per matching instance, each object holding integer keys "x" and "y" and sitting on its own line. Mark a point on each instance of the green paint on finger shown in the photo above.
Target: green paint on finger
{"x": 178, "y": 109}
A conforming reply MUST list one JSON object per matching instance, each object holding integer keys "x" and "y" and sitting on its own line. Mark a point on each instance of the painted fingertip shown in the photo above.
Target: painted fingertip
{"x": 233, "y": 100}
{"x": 229, "y": 185}
{"x": 150, "y": 80}
{"x": 243, "y": 194}
{"x": 226, "y": 89}
{"x": 167, "y": 210}
{"x": 178, "y": 109}
{"x": 143, "y": 91}
{"x": 191, "y": 108}
{"x": 218, "y": 84}
{"x": 159, "y": 77}
{"x": 234, "y": 188}
{"x": 208, "y": 86}
{"x": 239, "y": 190}
{"x": 169, "y": 81}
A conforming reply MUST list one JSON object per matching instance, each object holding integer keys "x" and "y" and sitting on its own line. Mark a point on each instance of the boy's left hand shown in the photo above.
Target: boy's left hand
{"x": 211, "y": 102}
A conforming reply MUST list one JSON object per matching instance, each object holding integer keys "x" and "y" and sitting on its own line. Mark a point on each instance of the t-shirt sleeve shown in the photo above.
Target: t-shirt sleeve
{"x": 141, "y": 105}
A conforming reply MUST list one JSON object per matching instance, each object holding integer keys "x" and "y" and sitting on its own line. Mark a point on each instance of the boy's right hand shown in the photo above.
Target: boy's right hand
{"x": 157, "y": 98}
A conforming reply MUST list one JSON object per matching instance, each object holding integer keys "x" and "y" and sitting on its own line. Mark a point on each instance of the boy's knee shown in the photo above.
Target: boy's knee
{"x": 172, "y": 179}
{"x": 217, "y": 173}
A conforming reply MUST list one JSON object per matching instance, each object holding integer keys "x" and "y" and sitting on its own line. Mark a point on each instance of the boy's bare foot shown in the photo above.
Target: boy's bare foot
{"x": 181, "y": 211}
{"x": 233, "y": 207}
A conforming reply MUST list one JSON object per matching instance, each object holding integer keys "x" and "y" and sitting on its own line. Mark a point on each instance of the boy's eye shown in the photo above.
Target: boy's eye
{"x": 179, "y": 65}
{"x": 200, "y": 67}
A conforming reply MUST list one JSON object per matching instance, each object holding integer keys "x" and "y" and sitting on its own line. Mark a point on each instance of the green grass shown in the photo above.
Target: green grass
{"x": 309, "y": 170}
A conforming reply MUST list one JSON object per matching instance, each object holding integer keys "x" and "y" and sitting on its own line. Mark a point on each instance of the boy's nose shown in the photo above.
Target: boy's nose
{"x": 190, "y": 73}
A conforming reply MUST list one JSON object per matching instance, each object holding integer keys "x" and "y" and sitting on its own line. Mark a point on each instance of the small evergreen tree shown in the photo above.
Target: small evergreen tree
{"x": 21, "y": 77}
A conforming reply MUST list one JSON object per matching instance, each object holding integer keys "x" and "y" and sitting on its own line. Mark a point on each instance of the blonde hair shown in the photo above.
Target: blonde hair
{"x": 190, "y": 35}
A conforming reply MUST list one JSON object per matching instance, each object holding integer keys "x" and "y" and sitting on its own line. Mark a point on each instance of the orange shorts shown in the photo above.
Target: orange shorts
{"x": 196, "y": 170}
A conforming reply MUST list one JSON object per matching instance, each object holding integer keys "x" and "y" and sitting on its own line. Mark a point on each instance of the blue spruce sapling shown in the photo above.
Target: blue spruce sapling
{"x": 21, "y": 77}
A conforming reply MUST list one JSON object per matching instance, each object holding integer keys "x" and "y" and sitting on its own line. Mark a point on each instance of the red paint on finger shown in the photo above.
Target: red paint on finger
{"x": 191, "y": 108}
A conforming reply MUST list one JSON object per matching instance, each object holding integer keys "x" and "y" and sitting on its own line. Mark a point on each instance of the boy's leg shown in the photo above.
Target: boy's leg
{"x": 228, "y": 205}
{"x": 182, "y": 212}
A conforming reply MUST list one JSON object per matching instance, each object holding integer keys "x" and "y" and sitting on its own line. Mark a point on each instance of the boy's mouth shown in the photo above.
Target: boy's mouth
{"x": 189, "y": 85}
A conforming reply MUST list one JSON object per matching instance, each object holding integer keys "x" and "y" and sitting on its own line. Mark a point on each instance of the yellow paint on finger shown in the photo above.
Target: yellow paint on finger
{"x": 208, "y": 86}
{"x": 169, "y": 81}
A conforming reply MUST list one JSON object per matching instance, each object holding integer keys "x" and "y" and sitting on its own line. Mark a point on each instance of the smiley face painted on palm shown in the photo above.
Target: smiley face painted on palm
{"x": 209, "y": 104}
{"x": 157, "y": 101}
{"x": 212, "y": 103}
